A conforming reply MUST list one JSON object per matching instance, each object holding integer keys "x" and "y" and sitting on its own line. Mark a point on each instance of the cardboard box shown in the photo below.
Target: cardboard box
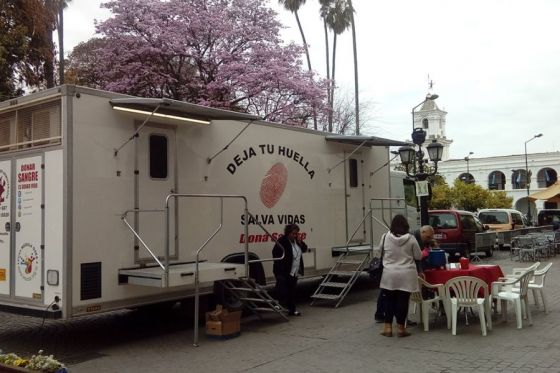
{"x": 216, "y": 314}
{"x": 223, "y": 323}
{"x": 213, "y": 327}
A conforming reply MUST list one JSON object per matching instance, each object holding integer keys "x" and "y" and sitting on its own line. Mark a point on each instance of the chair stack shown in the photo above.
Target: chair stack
{"x": 514, "y": 289}
{"x": 533, "y": 246}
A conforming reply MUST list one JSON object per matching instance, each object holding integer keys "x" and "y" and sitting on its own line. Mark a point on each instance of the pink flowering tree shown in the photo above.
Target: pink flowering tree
{"x": 220, "y": 53}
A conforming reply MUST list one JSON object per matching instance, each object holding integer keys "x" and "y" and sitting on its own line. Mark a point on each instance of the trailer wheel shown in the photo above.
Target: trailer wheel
{"x": 490, "y": 252}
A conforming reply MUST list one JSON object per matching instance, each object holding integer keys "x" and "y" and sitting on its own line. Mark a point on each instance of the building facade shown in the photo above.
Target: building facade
{"x": 506, "y": 173}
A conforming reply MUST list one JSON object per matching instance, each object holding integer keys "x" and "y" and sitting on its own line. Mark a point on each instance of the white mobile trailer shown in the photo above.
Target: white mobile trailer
{"x": 77, "y": 165}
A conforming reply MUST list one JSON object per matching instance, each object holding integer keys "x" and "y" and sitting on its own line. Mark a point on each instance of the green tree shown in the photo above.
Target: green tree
{"x": 442, "y": 197}
{"x": 13, "y": 48}
{"x": 26, "y": 47}
{"x": 498, "y": 200}
{"x": 83, "y": 56}
{"x": 470, "y": 197}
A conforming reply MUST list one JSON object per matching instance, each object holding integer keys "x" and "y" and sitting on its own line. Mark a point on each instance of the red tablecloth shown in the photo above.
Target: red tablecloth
{"x": 487, "y": 273}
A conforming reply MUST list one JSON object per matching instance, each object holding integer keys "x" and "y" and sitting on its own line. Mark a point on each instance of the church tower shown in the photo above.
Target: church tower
{"x": 432, "y": 120}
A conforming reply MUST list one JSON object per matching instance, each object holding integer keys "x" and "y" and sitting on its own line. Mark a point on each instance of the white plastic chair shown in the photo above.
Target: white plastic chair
{"x": 536, "y": 285}
{"x": 423, "y": 306}
{"x": 464, "y": 292}
{"x": 504, "y": 291}
{"x": 516, "y": 272}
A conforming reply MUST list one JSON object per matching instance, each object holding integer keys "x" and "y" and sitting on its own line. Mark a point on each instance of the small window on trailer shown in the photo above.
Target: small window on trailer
{"x": 353, "y": 173}
{"x": 158, "y": 156}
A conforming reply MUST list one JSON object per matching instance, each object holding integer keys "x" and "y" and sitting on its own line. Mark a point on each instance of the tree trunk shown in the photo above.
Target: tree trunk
{"x": 308, "y": 62}
{"x": 304, "y": 41}
{"x": 48, "y": 65}
{"x": 328, "y": 68}
{"x": 356, "y": 87}
{"x": 61, "y": 43}
{"x": 331, "y": 103}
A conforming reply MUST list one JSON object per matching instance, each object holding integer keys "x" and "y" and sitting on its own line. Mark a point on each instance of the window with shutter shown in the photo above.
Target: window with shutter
{"x": 31, "y": 126}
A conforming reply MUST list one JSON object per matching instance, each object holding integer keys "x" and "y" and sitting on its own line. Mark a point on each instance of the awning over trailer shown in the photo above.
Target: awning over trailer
{"x": 175, "y": 109}
{"x": 366, "y": 140}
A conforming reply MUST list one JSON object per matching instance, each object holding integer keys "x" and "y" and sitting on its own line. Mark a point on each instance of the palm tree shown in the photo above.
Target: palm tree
{"x": 293, "y": 6}
{"x": 62, "y": 4}
{"x": 337, "y": 15}
{"x": 356, "y": 88}
{"x": 55, "y": 15}
{"x": 50, "y": 14}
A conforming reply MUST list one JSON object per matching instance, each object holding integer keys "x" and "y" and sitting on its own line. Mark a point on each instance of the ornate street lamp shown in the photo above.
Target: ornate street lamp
{"x": 414, "y": 163}
{"x": 528, "y": 179}
{"x": 468, "y": 158}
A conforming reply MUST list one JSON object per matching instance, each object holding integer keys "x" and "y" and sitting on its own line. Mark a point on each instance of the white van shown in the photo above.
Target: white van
{"x": 501, "y": 219}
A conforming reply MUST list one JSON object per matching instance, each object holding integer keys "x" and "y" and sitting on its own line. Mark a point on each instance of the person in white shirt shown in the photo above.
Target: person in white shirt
{"x": 290, "y": 248}
{"x": 400, "y": 276}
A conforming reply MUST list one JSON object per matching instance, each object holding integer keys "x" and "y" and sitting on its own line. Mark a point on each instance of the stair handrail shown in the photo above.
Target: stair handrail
{"x": 123, "y": 218}
{"x": 370, "y": 214}
{"x": 384, "y": 222}
{"x": 176, "y": 196}
{"x": 356, "y": 231}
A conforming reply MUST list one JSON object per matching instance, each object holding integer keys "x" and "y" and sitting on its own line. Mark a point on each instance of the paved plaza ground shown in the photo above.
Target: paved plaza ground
{"x": 324, "y": 339}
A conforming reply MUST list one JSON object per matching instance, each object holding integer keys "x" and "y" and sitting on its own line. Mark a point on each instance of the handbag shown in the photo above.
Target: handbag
{"x": 375, "y": 268}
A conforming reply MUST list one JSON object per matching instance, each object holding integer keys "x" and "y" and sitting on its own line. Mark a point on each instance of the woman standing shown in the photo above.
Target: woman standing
{"x": 400, "y": 277}
{"x": 287, "y": 269}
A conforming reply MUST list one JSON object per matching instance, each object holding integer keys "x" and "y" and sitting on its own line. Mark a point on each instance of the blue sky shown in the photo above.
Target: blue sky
{"x": 495, "y": 65}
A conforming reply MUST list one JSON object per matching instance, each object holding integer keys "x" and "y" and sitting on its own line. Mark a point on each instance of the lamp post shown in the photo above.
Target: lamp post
{"x": 528, "y": 180}
{"x": 468, "y": 158}
{"x": 415, "y": 159}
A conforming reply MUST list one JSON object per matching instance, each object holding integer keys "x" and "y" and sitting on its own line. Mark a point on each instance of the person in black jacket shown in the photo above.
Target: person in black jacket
{"x": 286, "y": 270}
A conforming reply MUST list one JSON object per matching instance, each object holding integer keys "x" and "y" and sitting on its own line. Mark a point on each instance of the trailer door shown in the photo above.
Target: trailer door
{"x": 355, "y": 207}
{"x": 156, "y": 165}
{"x": 27, "y": 227}
{"x": 5, "y": 226}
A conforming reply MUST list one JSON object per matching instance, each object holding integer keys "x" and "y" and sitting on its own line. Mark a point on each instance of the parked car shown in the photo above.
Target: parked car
{"x": 548, "y": 217}
{"x": 455, "y": 230}
{"x": 501, "y": 219}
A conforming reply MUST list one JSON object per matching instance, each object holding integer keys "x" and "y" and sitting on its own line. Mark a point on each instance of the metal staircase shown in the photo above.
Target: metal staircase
{"x": 253, "y": 296}
{"x": 353, "y": 260}
{"x": 343, "y": 275}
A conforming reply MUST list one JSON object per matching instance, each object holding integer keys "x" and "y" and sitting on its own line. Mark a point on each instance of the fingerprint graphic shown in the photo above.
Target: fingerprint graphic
{"x": 273, "y": 185}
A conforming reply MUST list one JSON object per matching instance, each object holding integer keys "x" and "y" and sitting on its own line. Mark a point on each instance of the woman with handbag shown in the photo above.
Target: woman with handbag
{"x": 400, "y": 277}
